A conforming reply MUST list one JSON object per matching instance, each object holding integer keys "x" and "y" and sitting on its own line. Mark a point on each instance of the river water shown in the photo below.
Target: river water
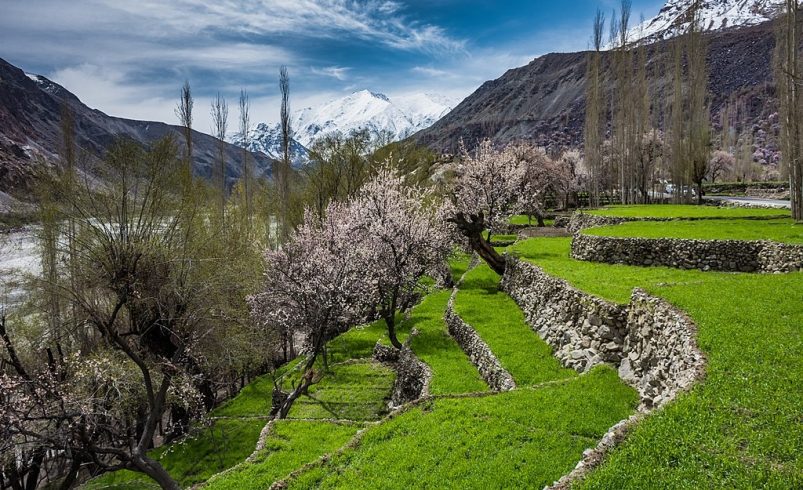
{"x": 19, "y": 257}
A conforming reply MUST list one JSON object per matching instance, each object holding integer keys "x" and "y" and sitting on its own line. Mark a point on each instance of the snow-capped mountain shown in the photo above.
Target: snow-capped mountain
{"x": 375, "y": 112}
{"x": 267, "y": 139}
{"x": 675, "y": 17}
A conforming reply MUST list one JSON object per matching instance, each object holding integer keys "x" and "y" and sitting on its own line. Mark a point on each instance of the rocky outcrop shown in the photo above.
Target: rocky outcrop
{"x": 651, "y": 342}
{"x": 412, "y": 375}
{"x": 478, "y": 352}
{"x": 705, "y": 255}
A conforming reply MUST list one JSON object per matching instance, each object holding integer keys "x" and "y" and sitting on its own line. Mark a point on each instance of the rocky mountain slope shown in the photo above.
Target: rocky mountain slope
{"x": 30, "y": 134}
{"x": 375, "y": 112}
{"x": 544, "y": 101}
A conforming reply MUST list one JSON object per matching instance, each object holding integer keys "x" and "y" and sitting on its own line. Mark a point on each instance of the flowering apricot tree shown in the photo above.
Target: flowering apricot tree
{"x": 405, "y": 239}
{"x": 488, "y": 189}
{"x": 315, "y": 285}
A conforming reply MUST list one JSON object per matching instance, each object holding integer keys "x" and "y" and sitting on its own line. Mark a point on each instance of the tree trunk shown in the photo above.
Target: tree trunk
{"x": 154, "y": 470}
{"x": 32, "y": 482}
{"x": 72, "y": 474}
{"x": 390, "y": 320}
{"x": 472, "y": 228}
{"x": 295, "y": 395}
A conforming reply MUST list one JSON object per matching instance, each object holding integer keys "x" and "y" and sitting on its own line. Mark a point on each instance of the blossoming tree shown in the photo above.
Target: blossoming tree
{"x": 314, "y": 285}
{"x": 405, "y": 239}
{"x": 488, "y": 189}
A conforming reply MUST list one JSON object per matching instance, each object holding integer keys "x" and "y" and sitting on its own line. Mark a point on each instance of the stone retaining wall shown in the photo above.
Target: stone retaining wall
{"x": 717, "y": 255}
{"x": 780, "y": 257}
{"x": 468, "y": 339}
{"x": 651, "y": 342}
{"x": 580, "y": 221}
{"x": 412, "y": 375}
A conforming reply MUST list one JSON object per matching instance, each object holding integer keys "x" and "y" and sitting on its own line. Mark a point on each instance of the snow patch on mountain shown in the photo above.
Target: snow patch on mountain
{"x": 363, "y": 110}
{"x": 675, "y": 17}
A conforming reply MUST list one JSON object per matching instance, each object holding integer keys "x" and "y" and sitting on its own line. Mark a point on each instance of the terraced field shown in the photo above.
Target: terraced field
{"x": 739, "y": 428}
{"x": 776, "y": 229}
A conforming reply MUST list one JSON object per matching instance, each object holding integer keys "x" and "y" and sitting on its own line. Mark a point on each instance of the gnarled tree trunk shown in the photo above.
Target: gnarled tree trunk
{"x": 472, "y": 227}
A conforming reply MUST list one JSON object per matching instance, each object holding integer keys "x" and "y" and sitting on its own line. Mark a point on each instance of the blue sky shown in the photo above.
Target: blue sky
{"x": 129, "y": 58}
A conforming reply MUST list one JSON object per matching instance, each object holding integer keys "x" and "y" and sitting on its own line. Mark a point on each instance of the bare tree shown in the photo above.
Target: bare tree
{"x": 184, "y": 114}
{"x": 789, "y": 76}
{"x": 139, "y": 290}
{"x": 699, "y": 118}
{"x": 283, "y": 175}
{"x": 247, "y": 177}
{"x": 594, "y": 104}
{"x": 220, "y": 117}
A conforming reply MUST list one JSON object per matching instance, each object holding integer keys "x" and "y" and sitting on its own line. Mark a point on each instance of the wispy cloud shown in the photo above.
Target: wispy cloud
{"x": 379, "y": 21}
{"x": 431, "y": 72}
{"x": 336, "y": 72}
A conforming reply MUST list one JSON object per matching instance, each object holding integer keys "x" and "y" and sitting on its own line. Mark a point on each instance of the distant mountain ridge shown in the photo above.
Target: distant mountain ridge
{"x": 30, "y": 132}
{"x": 361, "y": 110}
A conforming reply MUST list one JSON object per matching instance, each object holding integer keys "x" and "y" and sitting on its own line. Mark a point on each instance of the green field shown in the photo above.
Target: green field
{"x": 741, "y": 427}
{"x": 687, "y": 211}
{"x": 526, "y": 438}
{"x": 290, "y": 445}
{"x": 500, "y": 323}
{"x": 452, "y": 372}
{"x": 212, "y": 450}
{"x": 779, "y": 230}
{"x": 522, "y": 219}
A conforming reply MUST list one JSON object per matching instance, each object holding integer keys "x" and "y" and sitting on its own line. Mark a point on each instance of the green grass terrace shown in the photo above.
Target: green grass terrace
{"x": 780, "y": 230}
{"x": 687, "y": 211}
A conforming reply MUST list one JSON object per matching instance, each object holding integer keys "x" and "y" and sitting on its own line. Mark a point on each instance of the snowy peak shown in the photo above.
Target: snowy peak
{"x": 361, "y": 110}
{"x": 676, "y": 16}
{"x": 267, "y": 139}
{"x": 373, "y": 111}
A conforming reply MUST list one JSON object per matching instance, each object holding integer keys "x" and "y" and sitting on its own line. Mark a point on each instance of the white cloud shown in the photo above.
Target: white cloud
{"x": 336, "y": 72}
{"x": 431, "y": 72}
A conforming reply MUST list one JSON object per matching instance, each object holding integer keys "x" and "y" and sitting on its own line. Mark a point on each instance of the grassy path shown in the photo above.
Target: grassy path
{"x": 452, "y": 372}
{"x": 500, "y": 323}
{"x": 742, "y": 426}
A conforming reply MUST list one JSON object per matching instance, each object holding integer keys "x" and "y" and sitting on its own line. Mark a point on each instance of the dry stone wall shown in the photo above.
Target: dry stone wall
{"x": 412, "y": 375}
{"x": 780, "y": 257}
{"x": 479, "y": 353}
{"x": 651, "y": 342}
{"x": 716, "y": 255}
{"x": 580, "y": 221}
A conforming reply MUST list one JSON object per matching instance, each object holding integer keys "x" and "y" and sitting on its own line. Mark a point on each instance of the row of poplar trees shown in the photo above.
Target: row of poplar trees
{"x": 623, "y": 155}
{"x": 628, "y": 129}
